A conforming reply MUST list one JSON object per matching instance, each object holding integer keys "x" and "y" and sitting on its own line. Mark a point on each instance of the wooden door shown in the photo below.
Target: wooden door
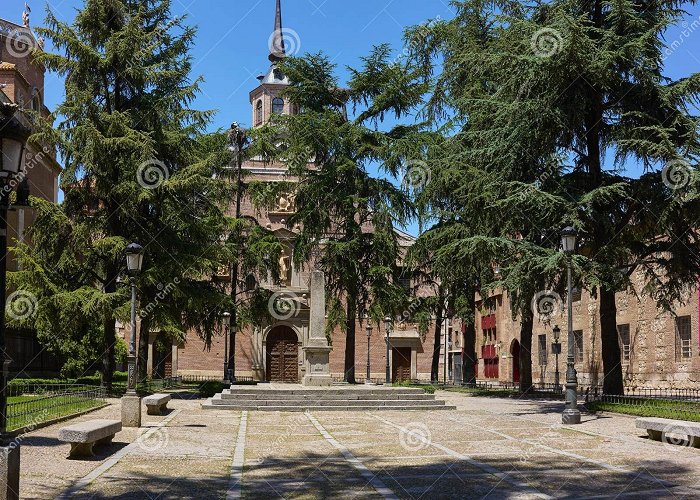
{"x": 282, "y": 356}
{"x": 401, "y": 364}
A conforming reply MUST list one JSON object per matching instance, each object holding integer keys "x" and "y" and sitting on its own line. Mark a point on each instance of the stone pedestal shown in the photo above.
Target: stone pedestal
{"x": 131, "y": 410}
{"x": 9, "y": 472}
{"x": 317, "y": 350}
{"x": 317, "y": 366}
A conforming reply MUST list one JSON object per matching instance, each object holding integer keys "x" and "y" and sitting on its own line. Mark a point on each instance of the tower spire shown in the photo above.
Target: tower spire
{"x": 277, "y": 50}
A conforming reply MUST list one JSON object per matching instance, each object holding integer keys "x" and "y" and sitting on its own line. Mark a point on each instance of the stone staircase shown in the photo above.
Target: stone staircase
{"x": 277, "y": 397}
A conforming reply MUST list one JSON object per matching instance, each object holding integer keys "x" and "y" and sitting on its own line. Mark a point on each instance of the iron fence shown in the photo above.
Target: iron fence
{"x": 19, "y": 388}
{"x": 35, "y": 410}
{"x": 212, "y": 378}
{"x": 164, "y": 383}
{"x": 595, "y": 392}
{"x": 681, "y": 409}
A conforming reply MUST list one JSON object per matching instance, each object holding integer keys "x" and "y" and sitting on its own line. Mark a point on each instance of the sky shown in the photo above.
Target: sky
{"x": 231, "y": 48}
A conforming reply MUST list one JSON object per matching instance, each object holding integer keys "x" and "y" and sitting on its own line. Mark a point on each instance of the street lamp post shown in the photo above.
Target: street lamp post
{"x": 556, "y": 349}
{"x": 387, "y": 327}
{"x": 571, "y": 414}
{"x": 13, "y": 139}
{"x": 131, "y": 402}
{"x": 227, "y": 324}
{"x": 369, "y": 336}
{"x": 238, "y": 138}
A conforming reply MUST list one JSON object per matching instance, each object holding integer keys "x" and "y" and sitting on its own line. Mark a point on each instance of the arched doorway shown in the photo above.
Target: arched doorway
{"x": 515, "y": 353}
{"x": 282, "y": 353}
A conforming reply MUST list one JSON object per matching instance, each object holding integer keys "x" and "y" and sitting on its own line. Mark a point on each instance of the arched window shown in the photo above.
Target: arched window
{"x": 259, "y": 113}
{"x": 278, "y": 106}
{"x": 36, "y": 103}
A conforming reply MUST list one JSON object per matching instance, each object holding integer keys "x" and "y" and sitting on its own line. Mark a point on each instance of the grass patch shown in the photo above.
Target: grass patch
{"x": 35, "y": 410}
{"x": 676, "y": 410}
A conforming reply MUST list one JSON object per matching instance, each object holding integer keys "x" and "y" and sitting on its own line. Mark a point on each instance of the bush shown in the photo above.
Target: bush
{"x": 429, "y": 389}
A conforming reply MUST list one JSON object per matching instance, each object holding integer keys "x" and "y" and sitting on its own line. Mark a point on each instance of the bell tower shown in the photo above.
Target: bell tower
{"x": 266, "y": 99}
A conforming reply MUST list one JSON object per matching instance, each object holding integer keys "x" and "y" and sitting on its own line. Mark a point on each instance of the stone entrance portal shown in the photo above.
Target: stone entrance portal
{"x": 282, "y": 355}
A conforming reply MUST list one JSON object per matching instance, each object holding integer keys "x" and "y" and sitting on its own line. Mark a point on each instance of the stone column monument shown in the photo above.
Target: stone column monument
{"x": 317, "y": 350}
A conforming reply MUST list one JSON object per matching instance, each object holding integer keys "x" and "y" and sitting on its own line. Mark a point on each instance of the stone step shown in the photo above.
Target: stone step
{"x": 270, "y": 392}
{"x": 325, "y": 396}
{"x": 208, "y": 406}
{"x": 320, "y": 402}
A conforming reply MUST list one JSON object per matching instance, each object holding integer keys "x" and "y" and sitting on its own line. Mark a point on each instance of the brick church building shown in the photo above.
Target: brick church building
{"x": 658, "y": 349}
{"x": 22, "y": 86}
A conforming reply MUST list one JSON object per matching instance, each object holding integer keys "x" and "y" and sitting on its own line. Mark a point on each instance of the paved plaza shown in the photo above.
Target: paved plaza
{"x": 488, "y": 447}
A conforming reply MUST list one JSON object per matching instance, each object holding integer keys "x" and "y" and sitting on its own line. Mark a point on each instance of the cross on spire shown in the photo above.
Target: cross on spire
{"x": 277, "y": 50}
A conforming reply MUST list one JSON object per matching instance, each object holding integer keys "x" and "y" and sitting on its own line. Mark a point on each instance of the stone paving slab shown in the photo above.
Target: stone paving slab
{"x": 487, "y": 448}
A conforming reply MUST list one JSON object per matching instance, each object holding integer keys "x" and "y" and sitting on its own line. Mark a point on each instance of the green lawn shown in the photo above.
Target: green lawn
{"x": 35, "y": 410}
{"x": 677, "y": 410}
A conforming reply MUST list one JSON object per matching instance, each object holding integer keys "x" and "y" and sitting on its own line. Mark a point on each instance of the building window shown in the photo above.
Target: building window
{"x": 684, "y": 349}
{"x": 278, "y": 106}
{"x": 542, "y": 349}
{"x": 625, "y": 345}
{"x": 578, "y": 346}
{"x": 259, "y": 113}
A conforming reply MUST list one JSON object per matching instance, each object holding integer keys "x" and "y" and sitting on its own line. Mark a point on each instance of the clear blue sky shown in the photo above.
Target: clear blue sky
{"x": 232, "y": 44}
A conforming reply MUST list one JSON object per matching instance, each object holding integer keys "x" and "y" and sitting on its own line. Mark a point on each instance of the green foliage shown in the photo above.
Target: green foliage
{"x": 340, "y": 208}
{"x": 534, "y": 98}
{"x": 137, "y": 168}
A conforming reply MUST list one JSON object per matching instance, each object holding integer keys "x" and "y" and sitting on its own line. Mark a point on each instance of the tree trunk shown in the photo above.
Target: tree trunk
{"x": 437, "y": 344}
{"x": 142, "y": 360}
{"x": 525, "y": 367}
{"x": 469, "y": 358}
{"x": 350, "y": 341}
{"x": 610, "y": 345}
{"x": 109, "y": 332}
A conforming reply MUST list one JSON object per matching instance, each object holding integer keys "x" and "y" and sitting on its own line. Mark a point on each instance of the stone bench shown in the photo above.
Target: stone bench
{"x": 659, "y": 428}
{"x": 84, "y": 435}
{"x": 156, "y": 403}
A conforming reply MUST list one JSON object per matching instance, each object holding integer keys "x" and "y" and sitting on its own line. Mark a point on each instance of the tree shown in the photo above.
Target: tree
{"x": 578, "y": 81}
{"x": 134, "y": 171}
{"x": 340, "y": 207}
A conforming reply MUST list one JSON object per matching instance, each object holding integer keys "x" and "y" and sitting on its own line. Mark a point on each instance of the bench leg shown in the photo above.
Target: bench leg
{"x": 153, "y": 410}
{"x": 163, "y": 408}
{"x": 105, "y": 441}
{"x": 695, "y": 441}
{"x": 81, "y": 450}
{"x": 655, "y": 435}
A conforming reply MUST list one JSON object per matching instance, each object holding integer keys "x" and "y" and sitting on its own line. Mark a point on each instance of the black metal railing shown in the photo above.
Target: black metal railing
{"x": 35, "y": 410}
{"x": 19, "y": 388}
{"x": 595, "y": 392}
{"x": 212, "y": 378}
{"x": 164, "y": 383}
